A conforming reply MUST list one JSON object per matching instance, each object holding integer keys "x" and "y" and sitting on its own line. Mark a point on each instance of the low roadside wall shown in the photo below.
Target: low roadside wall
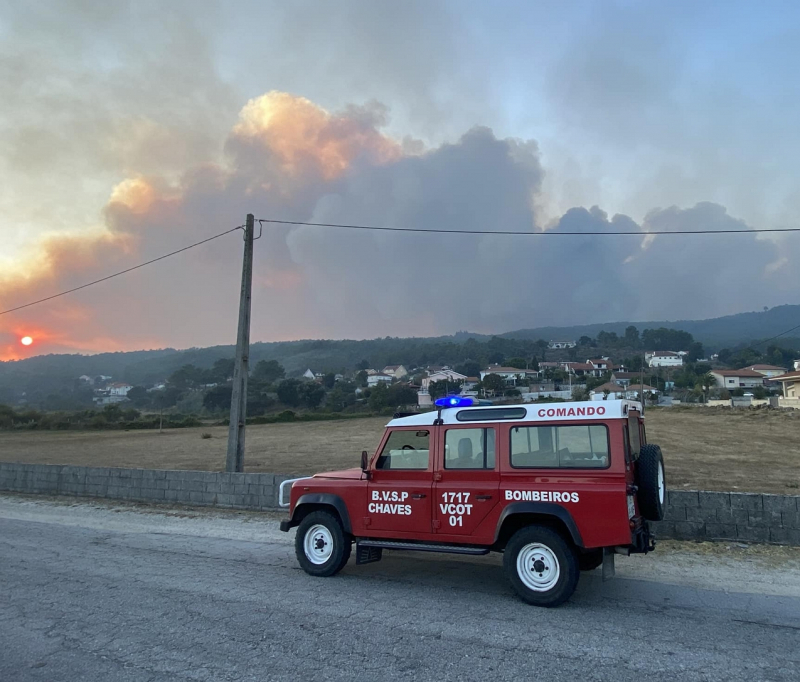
{"x": 690, "y": 514}
{"x": 207, "y": 488}
{"x": 748, "y": 517}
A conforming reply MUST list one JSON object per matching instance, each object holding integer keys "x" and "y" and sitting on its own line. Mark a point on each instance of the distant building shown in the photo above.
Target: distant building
{"x": 790, "y": 385}
{"x": 768, "y": 371}
{"x": 511, "y": 374}
{"x": 380, "y": 378}
{"x": 443, "y": 375}
{"x": 562, "y": 344}
{"x": 578, "y": 369}
{"x": 613, "y": 391}
{"x": 663, "y": 358}
{"x": 308, "y": 374}
{"x": 737, "y": 378}
{"x": 119, "y": 389}
{"x": 625, "y": 378}
{"x": 86, "y": 379}
{"x": 106, "y": 399}
{"x": 396, "y": 371}
{"x": 797, "y": 365}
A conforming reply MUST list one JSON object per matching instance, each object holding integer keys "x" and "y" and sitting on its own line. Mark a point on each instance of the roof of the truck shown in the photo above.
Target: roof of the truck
{"x": 592, "y": 410}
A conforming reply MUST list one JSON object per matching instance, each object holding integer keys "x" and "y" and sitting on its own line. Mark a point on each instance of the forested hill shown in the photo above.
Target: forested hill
{"x": 35, "y": 378}
{"x": 716, "y": 333}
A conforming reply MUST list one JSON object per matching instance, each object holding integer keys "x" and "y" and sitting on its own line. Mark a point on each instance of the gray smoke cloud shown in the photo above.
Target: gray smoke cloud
{"x": 147, "y": 97}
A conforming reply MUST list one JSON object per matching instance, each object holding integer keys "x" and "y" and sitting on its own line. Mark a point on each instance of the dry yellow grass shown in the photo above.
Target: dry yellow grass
{"x": 704, "y": 448}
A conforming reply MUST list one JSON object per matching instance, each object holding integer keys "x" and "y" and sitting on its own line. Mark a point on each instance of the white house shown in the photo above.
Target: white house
{"x": 768, "y": 371}
{"x": 107, "y": 399}
{"x": 396, "y": 371}
{"x": 562, "y": 344}
{"x": 616, "y": 392}
{"x": 119, "y": 389}
{"x": 625, "y": 378}
{"x": 380, "y": 378}
{"x": 737, "y": 378}
{"x": 608, "y": 391}
{"x": 442, "y": 375}
{"x": 308, "y": 374}
{"x": 663, "y": 358}
{"x": 797, "y": 365}
{"x": 510, "y": 374}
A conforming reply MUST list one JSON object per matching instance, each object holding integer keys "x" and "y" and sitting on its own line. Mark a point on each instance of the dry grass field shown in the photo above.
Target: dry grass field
{"x": 704, "y": 448}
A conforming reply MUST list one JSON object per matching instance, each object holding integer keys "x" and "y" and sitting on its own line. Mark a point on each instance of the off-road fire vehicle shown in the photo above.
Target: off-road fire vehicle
{"x": 557, "y": 488}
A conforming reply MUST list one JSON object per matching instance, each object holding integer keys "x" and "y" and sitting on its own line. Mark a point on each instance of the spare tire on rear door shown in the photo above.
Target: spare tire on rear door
{"x": 651, "y": 482}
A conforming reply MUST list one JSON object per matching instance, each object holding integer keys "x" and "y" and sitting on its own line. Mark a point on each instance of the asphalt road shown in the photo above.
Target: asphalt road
{"x": 89, "y": 593}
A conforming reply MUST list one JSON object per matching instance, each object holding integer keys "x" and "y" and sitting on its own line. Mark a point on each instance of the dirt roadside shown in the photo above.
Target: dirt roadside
{"x": 723, "y": 566}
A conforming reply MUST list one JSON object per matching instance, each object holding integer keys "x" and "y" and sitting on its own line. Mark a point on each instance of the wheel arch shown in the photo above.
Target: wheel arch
{"x": 521, "y": 514}
{"x": 329, "y": 502}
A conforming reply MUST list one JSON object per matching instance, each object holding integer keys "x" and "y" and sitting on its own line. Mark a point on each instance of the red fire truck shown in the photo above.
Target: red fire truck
{"x": 557, "y": 488}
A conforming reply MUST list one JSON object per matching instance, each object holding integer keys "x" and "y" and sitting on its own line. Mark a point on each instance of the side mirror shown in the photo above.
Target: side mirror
{"x": 365, "y": 462}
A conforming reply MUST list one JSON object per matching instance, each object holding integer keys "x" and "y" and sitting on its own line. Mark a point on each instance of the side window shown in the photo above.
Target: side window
{"x": 560, "y": 447}
{"x": 469, "y": 449}
{"x": 405, "y": 450}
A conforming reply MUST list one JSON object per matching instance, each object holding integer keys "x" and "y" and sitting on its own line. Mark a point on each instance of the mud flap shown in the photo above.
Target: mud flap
{"x": 608, "y": 563}
{"x": 368, "y": 555}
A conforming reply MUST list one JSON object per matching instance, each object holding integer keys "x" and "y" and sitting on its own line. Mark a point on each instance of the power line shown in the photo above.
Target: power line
{"x": 121, "y": 272}
{"x": 545, "y": 233}
{"x": 788, "y": 331}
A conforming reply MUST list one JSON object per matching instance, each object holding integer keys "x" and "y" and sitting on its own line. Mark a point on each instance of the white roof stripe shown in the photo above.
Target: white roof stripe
{"x": 534, "y": 412}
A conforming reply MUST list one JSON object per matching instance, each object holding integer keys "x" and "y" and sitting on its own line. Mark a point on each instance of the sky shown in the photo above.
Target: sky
{"x": 131, "y": 129}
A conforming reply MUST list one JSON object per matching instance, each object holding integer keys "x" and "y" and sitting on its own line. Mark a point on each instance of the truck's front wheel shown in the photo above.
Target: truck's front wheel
{"x": 321, "y": 545}
{"x": 541, "y": 566}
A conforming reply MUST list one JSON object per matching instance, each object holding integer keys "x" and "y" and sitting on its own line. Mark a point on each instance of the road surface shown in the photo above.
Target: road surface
{"x": 101, "y": 592}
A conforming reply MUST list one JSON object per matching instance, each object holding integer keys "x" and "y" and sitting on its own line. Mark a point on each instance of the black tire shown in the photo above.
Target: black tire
{"x": 333, "y": 543}
{"x": 529, "y": 545}
{"x": 652, "y": 496}
{"x": 590, "y": 560}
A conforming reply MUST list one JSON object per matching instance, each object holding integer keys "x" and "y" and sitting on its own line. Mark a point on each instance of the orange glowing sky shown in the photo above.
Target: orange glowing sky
{"x": 126, "y": 134}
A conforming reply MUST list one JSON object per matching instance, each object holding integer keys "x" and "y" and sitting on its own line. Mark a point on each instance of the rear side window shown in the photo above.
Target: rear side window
{"x": 469, "y": 449}
{"x": 405, "y": 450}
{"x": 560, "y": 447}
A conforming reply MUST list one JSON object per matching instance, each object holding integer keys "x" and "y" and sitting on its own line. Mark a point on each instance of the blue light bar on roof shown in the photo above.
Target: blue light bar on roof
{"x": 455, "y": 401}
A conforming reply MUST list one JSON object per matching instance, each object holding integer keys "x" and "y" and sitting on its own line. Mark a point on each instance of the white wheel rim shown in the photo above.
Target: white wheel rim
{"x": 538, "y": 567}
{"x": 318, "y": 544}
{"x": 661, "y": 486}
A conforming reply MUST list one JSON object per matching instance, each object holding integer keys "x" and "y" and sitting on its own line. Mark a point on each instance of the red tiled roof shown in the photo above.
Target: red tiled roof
{"x": 738, "y": 373}
{"x": 765, "y": 367}
{"x": 787, "y": 376}
{"x": 508, "y": 369}
{"x": 611, "y": 388}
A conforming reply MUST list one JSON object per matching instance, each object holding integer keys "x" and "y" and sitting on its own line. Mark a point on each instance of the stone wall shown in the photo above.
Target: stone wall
{"x": 690, "y": 514}
{"x": 749, "y": 517}
{"x": 209, "y": 488}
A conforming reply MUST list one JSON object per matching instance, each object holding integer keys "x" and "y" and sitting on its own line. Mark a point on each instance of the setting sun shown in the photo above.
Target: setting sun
{"x": 26, "y": 340}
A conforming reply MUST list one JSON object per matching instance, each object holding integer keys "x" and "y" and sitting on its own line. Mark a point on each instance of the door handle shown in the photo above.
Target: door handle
{"x": 417, "y": 496}
{"x": 483, "y": 497}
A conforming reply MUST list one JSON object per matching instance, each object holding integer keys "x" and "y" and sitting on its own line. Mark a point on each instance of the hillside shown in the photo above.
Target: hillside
{"x": 36, "y": 378}
{"x": 715, "y": 333}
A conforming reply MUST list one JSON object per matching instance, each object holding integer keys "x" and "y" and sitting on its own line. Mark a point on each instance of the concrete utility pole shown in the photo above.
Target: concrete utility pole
{"x": 235, "y": 459}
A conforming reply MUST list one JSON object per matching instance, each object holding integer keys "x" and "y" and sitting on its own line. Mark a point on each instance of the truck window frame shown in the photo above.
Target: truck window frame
{"x": 559, "y": 468}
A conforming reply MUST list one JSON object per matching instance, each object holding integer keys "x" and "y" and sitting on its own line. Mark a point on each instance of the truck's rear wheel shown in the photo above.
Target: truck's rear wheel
{"x": 541, "y": 566}
{"x": 321, "y": 545}
{"x": 651, "y": 481}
